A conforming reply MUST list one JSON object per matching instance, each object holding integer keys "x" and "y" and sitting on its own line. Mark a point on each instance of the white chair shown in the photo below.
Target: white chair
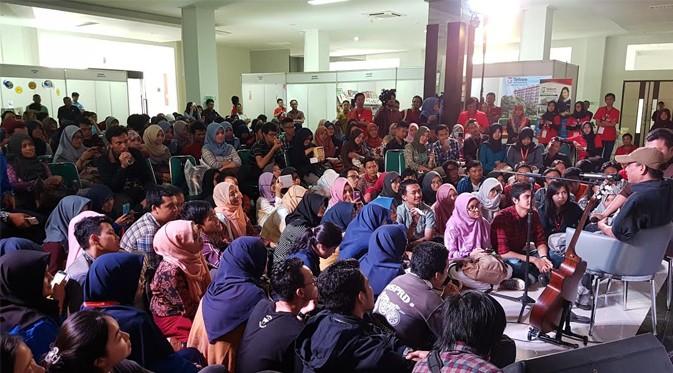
{"x": 639, "y": 259}
{"x": 669, "y": 289}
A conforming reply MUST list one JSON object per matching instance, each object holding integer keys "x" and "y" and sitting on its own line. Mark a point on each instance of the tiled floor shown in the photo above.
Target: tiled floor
{"x": 612, "y": 321}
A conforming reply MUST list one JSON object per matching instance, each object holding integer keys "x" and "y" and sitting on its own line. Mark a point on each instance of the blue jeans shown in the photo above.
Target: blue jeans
{"x": 519, "y": 266}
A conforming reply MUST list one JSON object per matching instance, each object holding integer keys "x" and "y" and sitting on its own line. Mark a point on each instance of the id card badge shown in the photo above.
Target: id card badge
{"x": 544, "y": 134}
{"x": 601, "y": 130}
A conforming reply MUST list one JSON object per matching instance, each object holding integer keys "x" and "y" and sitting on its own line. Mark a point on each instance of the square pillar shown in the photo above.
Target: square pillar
{"x": 316, "y": 50}
{"x": 536, "y": 29}
{"x": 199, "y": 53}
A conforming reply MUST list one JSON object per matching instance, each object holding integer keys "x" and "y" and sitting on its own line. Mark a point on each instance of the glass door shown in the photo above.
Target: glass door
{"x": 639, "y": 101}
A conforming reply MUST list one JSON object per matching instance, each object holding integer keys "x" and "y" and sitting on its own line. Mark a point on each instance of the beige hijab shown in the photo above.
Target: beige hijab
{"x": 233, "y": 213}
{"x": 293, "y": 196}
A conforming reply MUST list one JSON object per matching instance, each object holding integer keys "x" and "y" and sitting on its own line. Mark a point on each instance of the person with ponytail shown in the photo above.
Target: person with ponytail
{"x": 90, "y": 341}
{"x": 316, "y": 243}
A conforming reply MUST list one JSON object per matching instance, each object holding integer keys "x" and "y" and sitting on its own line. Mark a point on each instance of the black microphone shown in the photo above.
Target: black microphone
{"x": 615, "y": 177}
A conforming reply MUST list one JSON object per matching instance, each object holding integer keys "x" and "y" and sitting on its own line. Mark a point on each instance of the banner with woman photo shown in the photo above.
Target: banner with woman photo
{"x": 559, "y": 90}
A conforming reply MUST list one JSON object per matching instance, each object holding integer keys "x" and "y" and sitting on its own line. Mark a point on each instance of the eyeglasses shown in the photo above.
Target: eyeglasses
{"x": 353, "y": 176}
{"x": 473, "y": 208}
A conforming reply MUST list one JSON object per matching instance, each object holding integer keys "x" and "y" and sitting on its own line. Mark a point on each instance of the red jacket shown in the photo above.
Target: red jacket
{"x": 548, "y": 130}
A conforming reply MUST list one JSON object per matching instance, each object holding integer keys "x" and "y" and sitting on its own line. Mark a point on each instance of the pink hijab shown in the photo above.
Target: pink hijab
{"x": 74, "y": 246}
{"x": 337, "y": 191}
{"x": 443, "y": 207}
{"x": 410, "y": 138}
{"x": 464, "y": 234}
{"x": 176, "y": 244}
{"x": 234, "y": 213}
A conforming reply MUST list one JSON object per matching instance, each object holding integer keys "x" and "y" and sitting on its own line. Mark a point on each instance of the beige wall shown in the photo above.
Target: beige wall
{"x": 270, "y": 61}
{"x": 231, "y": 63}
{"x": 19, "y": 45}
{"x": 615, "y": 60}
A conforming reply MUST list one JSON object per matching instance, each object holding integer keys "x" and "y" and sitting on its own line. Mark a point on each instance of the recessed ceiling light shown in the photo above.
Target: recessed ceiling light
{"x": 357, "y": 38}
{"x": 323, "y": 2}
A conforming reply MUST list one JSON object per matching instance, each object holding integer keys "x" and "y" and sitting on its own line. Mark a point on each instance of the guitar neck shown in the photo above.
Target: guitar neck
{"x": 570, "y": 251}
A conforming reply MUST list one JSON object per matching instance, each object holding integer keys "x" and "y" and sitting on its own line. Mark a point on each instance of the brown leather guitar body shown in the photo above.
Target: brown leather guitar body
{"x": 548, "y": 309}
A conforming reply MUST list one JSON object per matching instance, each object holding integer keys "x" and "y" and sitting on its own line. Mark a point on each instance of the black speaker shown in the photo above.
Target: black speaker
{"x": 640, "y": 354}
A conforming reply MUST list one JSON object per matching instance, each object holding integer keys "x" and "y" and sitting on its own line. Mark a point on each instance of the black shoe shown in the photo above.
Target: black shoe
{"x": 543, "y": 279}
{"x": 579, "y": 319}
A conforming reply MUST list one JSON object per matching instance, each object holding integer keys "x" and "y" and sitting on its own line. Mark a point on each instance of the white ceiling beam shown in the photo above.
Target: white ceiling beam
{"x": 100, "y": 11}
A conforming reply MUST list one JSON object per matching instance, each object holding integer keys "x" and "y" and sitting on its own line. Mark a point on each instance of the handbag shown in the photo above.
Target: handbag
{"x": 484, "y": 266}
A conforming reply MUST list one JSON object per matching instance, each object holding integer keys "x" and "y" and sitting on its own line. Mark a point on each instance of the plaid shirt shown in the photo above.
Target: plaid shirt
{"x": 139, "y": 238}
{"x": 461, "y": 359}
{"x": 508, "y": 231}
{"x": 442, "y": 155}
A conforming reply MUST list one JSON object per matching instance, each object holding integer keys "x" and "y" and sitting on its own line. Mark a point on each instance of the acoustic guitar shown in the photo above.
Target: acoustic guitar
{"x": 548, "y": 309}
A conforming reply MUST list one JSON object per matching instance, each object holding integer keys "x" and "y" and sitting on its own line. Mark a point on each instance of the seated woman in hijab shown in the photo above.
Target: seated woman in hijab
{"x": 443, "y": 207}
{"x": 39, "y": 136}
{"x": 466, "y": 232}
{"x": 169, "y": 137}
{"x": 114, "y": 284}
{"x": 56, "y": 242}
{"x": 589, "y": 145}
{"x": 430, "y": 185}
{"x": 317, "y": 243}
{"x": 229, "y": 136}
{"x": 220, "y": 320}
{"x": 307, "y": 215}
{"x": 216, "y": 153}
{"x": 489, "y": 195}
{"x": 430, "y": 110}
{"x": 359, "y": 230}
{"x": 416, "y": 154}
{"x": 373, "y": 142}
{"x": 322, "y": 138}
{"x": 102, "y": 201}
{"x": 182, "y": 136}
{"x": 269, "y": 197}
{"x": 492, "y": 152}
{"x": 516, "y": 122}
{"x": 25, "y": 289}
{"x": 31, "y": 180}
{"x": 353, "y": 151}
{"x": 340, "y": 215}
{"x": 159, "y": 154}
{"x": 341, "y": 191}
{"x": 275, "y": 223}
{"x": 301, "y": 153}
{"x": 229, "y": 210}
{"x": 525, "y": 150}
{"x": 180, "y": 280}
{"x": 383, "y": 260}
{"x": 72, "y": 149}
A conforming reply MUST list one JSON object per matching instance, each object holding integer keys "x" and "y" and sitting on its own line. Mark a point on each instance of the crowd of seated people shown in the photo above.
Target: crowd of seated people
{"x": 288, "y": 248}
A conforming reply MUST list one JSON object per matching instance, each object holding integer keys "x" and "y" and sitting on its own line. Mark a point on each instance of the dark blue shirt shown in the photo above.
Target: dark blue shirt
{"x": 649, "y": 206}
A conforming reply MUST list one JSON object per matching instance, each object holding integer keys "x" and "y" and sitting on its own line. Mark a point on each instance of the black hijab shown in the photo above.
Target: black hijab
{"x": 21, "y": 282}
{"x": 98, "y": 194}
{"x": 298, "y": 158}
{"x": 27, "y": 169}
{"x": 495, "y": 145}
{"x": 388, "y": 180}
{"x": 306, "y": 213}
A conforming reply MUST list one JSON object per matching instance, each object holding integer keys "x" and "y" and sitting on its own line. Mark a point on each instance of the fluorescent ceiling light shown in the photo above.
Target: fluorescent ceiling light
{"x": 323, "y": 2}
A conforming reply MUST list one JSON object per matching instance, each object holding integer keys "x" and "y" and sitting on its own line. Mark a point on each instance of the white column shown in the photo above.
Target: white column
{"x": 316, "y": 50}
{"x": 199, "y": 53}
{"x": 536, "y": 29}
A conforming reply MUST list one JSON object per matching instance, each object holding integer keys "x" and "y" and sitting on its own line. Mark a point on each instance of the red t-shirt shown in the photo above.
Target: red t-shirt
{"x": 361, "y": 115}
{"x": 625, "y": 149}
{"x": 611, "y": 115}
{"x": 582, "y": 154}
{"x": 548, "y": 130}
{"x": 479, "y": 116}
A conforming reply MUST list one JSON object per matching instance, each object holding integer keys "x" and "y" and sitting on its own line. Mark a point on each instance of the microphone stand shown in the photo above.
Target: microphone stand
{"x": 524, "y": 299}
